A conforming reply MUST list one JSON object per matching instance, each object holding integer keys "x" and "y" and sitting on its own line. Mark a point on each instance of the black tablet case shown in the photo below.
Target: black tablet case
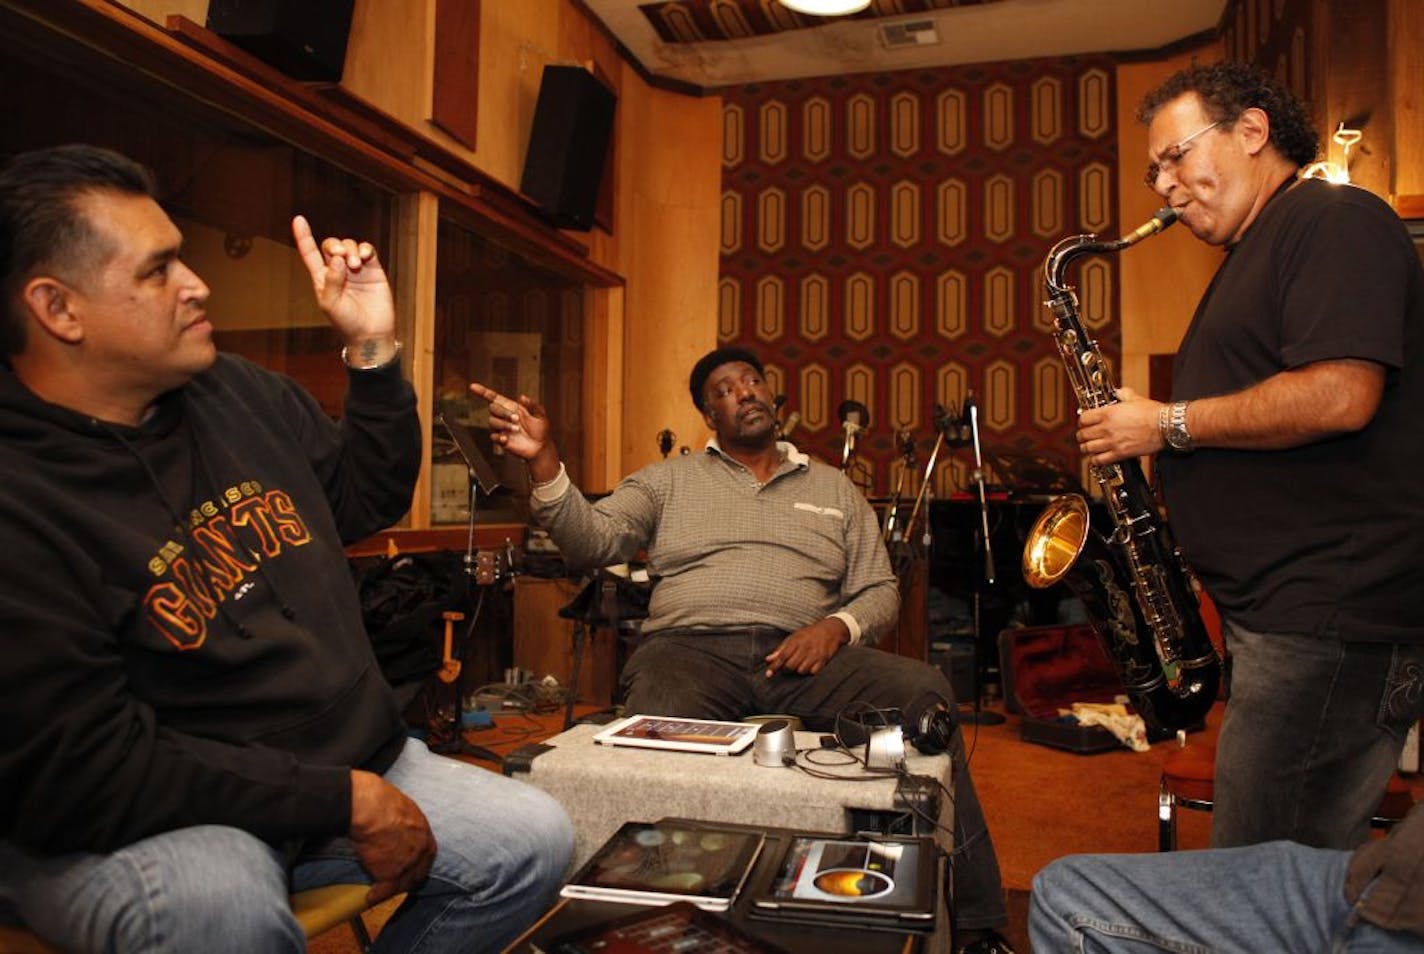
{"x": 646, "y": 858}
{"x": 909, "y": 906}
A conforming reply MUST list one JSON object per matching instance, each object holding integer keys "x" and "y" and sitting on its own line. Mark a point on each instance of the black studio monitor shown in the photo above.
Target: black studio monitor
{"x": 568, "y": 145}
{"x": 305, "y": 40}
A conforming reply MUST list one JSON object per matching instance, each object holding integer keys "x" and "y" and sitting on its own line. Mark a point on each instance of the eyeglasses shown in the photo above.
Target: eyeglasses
{"x": 1173, "y": 154}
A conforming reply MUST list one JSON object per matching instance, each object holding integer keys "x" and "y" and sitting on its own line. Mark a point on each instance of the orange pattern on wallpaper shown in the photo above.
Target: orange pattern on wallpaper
{"x": 883, "y": 237}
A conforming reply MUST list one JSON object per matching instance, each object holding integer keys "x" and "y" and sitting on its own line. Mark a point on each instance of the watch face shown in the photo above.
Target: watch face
{"x": 1178, "y": 437}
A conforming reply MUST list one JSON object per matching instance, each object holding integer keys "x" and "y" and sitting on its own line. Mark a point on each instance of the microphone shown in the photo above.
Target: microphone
{"x": 907, "y": 448}
{"x": 778, "y": 402}
{"x": 969, "y": 418}
{"x": 854, "y": 416}
{"x": 942, "y": 418}
{"x": 792, "y": 420}
{"x": 666, "y": 438}
{"x": 951, "y": 426}
{"x": 855, "y": 419}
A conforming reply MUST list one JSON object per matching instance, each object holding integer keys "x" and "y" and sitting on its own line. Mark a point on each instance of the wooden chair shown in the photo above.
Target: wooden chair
{"x": 317, "y": 910}
{"x": 1188, "y": 781}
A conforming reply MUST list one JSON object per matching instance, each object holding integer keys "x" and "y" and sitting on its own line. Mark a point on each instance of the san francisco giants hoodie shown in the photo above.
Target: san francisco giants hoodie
{"x": 180, "y": 638}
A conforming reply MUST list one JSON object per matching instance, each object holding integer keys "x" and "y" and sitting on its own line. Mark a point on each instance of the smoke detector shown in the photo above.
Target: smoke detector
{"x": 908, "y": 33}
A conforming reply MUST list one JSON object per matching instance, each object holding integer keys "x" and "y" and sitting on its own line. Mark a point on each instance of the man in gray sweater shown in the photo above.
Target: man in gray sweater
{"x": 772, "y": 588}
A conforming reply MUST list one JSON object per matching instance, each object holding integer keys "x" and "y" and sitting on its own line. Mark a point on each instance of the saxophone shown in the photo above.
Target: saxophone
{"x": 1133, "y": 583}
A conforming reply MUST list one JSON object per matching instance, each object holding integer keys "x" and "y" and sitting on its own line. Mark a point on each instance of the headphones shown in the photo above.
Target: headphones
{"x": 883, "y": 732}
{"x": 934, "y": 729}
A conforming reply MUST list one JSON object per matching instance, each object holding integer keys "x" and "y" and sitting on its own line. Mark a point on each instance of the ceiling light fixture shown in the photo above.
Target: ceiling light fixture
{"x": 826, "y": 8}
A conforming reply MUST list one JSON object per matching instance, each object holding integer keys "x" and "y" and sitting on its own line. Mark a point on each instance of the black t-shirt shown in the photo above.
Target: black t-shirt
{"x": 1327, "y": 538}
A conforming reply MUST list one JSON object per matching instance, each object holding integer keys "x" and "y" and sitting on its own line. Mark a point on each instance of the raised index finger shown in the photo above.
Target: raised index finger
{"x": 489, "y": 394}
{"x": 306, "y": 247}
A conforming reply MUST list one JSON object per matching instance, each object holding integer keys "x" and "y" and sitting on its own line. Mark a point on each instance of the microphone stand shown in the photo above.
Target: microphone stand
{"x": 971, "y": 411}
{"x": 942, "y": 423}
{"x": 848, "y": 448}
{"x": 893, "y": 532}
{"x": 479, "y": 570}
{"x": 898, "y": 544}
{"x": 457, "y": 744}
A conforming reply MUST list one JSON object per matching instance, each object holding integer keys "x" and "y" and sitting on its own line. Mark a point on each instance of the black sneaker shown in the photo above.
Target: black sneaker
{"x": 991, "y": 943}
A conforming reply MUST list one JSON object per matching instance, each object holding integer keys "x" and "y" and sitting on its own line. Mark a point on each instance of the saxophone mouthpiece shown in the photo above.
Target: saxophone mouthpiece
{"x": 1164, "y": 217}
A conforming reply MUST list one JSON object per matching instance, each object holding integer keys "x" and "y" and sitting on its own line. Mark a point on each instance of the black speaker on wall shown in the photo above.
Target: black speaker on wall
{"x": 306, "y": 39}
{"x": 568, "y": 145}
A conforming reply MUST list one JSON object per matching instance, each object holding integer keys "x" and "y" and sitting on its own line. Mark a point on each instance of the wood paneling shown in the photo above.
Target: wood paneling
{"x": 670, "y": 259}
{"x": 417, "y": 218}
{"x": 1162, "y": 278}
{"x": 1406, "y": 62}
{"x": 1352, "y": 86}
{"x": 389, "y": 57}
{"x": 455, "y": 85}
{"x": 544, "y": 641}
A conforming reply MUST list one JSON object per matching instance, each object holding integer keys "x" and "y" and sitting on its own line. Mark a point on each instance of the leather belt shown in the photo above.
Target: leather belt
{"x": 719, "y": 631}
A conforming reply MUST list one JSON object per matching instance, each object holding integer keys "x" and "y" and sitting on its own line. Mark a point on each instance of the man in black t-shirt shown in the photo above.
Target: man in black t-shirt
{"x": 1292, "y": 456}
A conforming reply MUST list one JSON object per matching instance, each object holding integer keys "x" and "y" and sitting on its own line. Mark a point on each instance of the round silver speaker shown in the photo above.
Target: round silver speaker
{"x": 775, "y": 744}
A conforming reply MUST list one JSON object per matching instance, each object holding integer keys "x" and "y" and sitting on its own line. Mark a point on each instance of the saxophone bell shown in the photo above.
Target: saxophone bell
{"x": 1166, "y": 690}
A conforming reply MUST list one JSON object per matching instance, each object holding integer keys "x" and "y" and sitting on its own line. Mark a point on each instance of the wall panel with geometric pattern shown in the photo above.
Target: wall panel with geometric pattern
{"x": 883, "y": 241}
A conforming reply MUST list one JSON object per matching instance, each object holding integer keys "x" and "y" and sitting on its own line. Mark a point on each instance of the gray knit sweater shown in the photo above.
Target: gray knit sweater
{"x": 729, "y": 551}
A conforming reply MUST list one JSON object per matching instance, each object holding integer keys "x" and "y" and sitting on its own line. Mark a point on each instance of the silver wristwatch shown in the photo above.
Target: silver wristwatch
{"x": 1173, "y": 424}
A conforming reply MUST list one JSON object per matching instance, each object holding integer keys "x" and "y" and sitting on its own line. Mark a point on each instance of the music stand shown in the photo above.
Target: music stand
{"x": 483, "y": 575}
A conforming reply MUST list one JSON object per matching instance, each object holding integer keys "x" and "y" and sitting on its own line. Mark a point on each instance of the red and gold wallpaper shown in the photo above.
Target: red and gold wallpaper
{"x": 883, "y": 238}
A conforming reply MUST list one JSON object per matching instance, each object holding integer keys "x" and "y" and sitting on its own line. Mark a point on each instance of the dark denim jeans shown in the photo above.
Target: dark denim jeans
{"x": 1312, "y": 731}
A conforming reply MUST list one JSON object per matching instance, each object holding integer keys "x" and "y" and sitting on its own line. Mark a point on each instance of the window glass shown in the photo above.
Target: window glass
{"x": 232, "y": 191}
{"x": 517, "y": 328}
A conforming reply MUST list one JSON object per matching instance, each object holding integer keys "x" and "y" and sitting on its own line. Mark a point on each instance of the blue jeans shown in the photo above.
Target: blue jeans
{"x": 1311, "y": 734}
{"x": 503, "y": 848}
{"x": 1262, "y": 898}
{"x": 723, "y": 676}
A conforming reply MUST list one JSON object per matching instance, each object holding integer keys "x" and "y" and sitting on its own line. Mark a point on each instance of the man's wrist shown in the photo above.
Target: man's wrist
{"x": 371, "y": 354}
{"x": 548, "y": 491}
{"x": 851, "y": 624}
{"x": 545, "y": 466}
{"x": 1172, "y": 425}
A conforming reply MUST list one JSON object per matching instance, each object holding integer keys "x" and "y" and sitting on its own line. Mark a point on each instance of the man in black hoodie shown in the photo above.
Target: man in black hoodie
{"x": 192, "y": 721}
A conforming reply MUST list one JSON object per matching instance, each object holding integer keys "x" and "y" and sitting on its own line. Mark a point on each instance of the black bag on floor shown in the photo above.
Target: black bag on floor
{"x": 402, "y": 599}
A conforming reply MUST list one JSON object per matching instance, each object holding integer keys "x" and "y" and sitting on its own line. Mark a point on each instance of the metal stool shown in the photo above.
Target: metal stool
{"x": 317, "y": 910}
{"x": 1188, "y": 781}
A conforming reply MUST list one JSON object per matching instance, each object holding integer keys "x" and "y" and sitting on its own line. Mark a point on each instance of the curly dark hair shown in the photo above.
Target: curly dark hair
{"x": 1228, "y": 89}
